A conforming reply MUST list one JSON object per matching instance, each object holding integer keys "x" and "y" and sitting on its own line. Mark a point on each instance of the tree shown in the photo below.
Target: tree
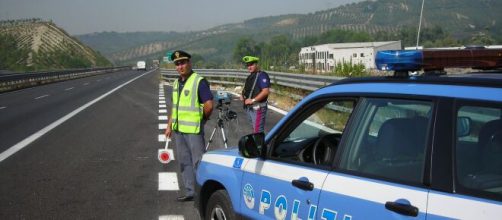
{"x": 245, "y": 46}
{"x": 11, "y": 57}
{"x": 342, "y": 36}
{"x": 481, "y": 39}
{"x": 278, "y": 51}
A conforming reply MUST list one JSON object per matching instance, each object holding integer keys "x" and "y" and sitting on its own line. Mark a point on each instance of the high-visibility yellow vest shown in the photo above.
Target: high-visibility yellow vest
{"x": 187, "y": 112}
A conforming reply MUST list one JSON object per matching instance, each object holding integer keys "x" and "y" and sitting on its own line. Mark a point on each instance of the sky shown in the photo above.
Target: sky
{"x": 88, "y": 16}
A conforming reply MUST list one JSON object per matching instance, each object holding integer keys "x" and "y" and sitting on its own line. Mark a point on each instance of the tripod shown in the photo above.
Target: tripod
{"x": 219, "y": 124}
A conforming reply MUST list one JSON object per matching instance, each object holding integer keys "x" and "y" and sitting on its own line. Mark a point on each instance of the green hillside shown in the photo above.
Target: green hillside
{"x": 461, "y": 20}
{"x": 34, "y": 45}
{"x": 111, "y": 42}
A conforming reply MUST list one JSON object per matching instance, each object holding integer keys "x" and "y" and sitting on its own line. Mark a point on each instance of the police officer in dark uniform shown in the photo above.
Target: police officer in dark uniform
{"x": 255, "y": 94}
{"x": 192, "y": 105}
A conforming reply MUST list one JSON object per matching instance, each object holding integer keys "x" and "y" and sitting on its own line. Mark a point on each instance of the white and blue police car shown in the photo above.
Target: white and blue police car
{"x": 425, "y": 146}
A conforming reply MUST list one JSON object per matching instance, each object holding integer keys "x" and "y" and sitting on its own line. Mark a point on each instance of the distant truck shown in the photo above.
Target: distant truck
{"x": 155, "y": 63}
{"x": 141, "y": 65}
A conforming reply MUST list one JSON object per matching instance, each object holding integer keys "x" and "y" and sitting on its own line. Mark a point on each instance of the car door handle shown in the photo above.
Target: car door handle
{"x": 303, "y": 184}
{"x": 402, "y": 209}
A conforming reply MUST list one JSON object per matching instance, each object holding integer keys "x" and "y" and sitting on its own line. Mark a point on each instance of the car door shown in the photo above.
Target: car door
{"x": 476, "y": 191}
{"x": 287, "y": 183}
{"x": 381, "y": 170}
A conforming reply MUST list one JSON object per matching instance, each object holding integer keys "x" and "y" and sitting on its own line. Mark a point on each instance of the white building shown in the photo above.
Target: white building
{"x": 324, "y": 58}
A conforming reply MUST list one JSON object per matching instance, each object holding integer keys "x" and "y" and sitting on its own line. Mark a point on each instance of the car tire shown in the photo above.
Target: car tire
{"x": 219, "y": 207}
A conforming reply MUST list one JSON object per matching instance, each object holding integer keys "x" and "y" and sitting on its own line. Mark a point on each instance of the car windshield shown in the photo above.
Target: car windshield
{"x": 330, "y": 118}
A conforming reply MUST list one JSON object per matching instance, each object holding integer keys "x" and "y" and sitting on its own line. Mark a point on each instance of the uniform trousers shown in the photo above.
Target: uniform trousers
{"x": 189, "y": 151}
{"x": 256, "y": 116}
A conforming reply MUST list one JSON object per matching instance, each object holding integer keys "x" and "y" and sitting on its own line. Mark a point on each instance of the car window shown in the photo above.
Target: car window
{"x": 314, "y": 136}
{"x": 388, "y": 139}
{"x": 478, "y": 149}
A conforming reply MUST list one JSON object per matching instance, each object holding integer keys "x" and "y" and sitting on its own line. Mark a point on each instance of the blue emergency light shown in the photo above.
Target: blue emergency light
{"x": 399, "y": 60}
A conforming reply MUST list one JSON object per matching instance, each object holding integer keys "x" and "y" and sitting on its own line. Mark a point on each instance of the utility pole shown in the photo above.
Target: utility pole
{"x": 420, "y": 23}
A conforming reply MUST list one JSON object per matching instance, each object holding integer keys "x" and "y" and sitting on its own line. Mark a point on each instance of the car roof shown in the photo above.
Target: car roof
{"x": 475, "y": 86}
{"x": 480, "y": 79}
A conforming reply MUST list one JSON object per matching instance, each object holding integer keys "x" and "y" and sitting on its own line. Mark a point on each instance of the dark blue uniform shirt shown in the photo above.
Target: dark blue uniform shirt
{"x": 263, "y": 81}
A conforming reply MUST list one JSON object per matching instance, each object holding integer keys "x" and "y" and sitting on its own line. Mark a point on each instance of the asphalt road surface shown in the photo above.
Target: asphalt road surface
{"x": 87, "y": 149}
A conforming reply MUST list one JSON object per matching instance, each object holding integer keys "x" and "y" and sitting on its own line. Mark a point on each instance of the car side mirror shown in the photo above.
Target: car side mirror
{"x": 463, "y": 126}
{"x": 252, "y": 145}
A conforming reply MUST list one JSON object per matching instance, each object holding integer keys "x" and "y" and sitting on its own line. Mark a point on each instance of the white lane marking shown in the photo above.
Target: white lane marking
{"x": 98, "y": 80}
{"x": 171, "y": 217}
{"x": 42, "y": 96}
{"x": 2, "y": 107}
{"x": 269, "y": 106}
{"x": 162, "y": 138}
{"x": 12, "y": 150}
{"x": 168, "y": 181}
{"x": 67, "y": 89}
{"x": 171, "y": 152}
{"x": 162, "y": 126}
{"x": 85, "y": 84}
{"x": 277, "y": 110}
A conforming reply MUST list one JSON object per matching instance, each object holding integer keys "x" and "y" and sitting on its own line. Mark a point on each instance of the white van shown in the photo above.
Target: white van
{"x": 141, "y": 65}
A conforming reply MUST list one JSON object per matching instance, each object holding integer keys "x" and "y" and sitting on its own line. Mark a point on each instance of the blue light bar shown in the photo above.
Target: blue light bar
{"x": 399, "y": 60}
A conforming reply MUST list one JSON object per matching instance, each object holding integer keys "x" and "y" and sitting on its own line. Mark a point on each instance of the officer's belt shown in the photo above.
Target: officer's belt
{"x": 261, "y": 104}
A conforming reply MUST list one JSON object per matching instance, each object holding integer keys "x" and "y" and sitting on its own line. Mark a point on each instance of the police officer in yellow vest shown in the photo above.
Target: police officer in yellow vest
{"x": 192, "y": 105}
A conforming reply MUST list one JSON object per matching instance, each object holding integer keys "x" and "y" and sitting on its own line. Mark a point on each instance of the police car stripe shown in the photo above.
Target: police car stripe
{"x": 222, "y": 160}
{"x": 364, "y": 189}
{"x": 285, "y": 172}
{"x": 270, "y": 169}
{"x": 380, "y": 192}
{"x": 462, "y": 208}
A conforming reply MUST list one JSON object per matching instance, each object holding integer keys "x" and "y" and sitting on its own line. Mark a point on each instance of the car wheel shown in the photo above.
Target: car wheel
{"x": 219, "y": 207}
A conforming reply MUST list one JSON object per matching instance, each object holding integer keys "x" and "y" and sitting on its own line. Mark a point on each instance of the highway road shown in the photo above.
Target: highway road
{"x": 87, "y": 149}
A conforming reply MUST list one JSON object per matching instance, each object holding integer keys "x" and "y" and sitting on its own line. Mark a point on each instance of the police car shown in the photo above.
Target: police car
{"x": 406, "y": 146}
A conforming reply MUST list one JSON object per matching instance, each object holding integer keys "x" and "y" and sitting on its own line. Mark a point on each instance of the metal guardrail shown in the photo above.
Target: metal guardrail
{"x": 12, "y": 81}
{"x": 238, "y": 77}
